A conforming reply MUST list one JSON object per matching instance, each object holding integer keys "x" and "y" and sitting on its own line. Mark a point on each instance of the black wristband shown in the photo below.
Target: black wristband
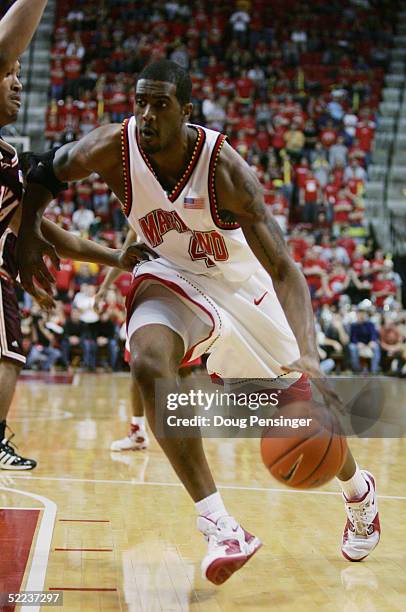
{"x": 41, "y": 172}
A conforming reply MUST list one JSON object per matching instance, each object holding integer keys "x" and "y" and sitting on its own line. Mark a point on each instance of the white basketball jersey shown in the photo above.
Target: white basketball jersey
{"x": 184, "y": 227}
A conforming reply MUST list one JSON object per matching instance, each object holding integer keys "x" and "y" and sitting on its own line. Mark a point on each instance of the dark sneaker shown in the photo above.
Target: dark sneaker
{"x": 10, "y": 460}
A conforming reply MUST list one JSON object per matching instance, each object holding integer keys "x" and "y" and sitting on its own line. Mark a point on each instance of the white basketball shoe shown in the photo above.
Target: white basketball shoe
{"x": 362, "y": 529}
{"x": 229, "y": 547}
{"x": 137, "y": 439}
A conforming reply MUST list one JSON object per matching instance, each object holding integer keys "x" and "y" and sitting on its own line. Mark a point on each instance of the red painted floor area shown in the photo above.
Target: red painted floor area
{"x": 59, "y": 378}
{"x": 17, "y": 529}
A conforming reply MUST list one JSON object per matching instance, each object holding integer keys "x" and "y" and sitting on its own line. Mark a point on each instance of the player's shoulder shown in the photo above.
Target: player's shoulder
{"x": 109, "y": 133}
{"x": 100, "y": 142}
{"x": 232, "y": 170}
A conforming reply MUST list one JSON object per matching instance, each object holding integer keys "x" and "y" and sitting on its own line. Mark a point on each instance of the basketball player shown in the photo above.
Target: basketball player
{"x": 223, "y": 283}
{"x": 16, "y": 30}
{"x": 12, "y": 357}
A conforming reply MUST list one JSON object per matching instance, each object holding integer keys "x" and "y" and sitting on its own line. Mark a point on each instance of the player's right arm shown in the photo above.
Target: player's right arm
{"x": 97, "y": 152}
{"x": 16, "y": 30}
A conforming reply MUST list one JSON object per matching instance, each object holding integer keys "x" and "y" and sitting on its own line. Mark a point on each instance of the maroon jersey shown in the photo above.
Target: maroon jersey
{"x": 11, "y": 191}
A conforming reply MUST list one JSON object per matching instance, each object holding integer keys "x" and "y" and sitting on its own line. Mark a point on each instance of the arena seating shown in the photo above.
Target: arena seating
{"x": 296, "y": 91}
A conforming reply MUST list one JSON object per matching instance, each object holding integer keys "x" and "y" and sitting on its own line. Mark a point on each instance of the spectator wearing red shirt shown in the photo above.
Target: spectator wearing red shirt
{"x": 57, "y": 79}
{"x": 64, "y": 280}
{"x": 311, "y": 199}
{"x": 245, "y": 88}
{"x": 84, "y": 194}
{"x": 337, "y": 175}
{"x": 123, "y": 283}
{"x": 356, "y": 151}
{"x": 348, "y": 244}
{"x": 53, "y": 130}
{"x": 118, "y": 103}
{"x": 298, "y": 245}
{"x": 343, "y": 207}
{"x": 328, "y": 135}
{"x": 382, "y": 288}
{"x": 101, "y": 198}
{"x": 329, "y": 198}
{"x": 72, "y": 67}
{"x": 364, "y": 132}
{"x": 262, "y": 139}
{"x": 378, "y": 262}
{"x": 278, "y": 137}
{"x": 314, "y": 268}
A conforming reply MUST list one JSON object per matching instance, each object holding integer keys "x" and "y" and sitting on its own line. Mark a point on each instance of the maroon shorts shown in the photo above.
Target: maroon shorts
{"x": 11, "y": 338}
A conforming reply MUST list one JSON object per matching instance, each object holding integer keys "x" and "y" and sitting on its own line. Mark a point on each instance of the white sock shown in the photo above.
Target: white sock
{"x": 212, "y": 507}
{"x": 355, "y": 487}
{"x": 140, "y": 421}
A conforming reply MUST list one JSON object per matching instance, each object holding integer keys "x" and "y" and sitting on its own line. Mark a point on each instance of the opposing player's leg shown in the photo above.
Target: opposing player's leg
{"x": 137, "y": 438}
{"x": 157, "y": 350}
{"x": 9, "y": 458}
{"x": 362, "y": 529}
{"x": 11, "y": 361}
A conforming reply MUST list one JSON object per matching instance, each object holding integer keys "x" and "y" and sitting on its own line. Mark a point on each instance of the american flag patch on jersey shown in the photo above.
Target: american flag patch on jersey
{"x": 193, "y": 203}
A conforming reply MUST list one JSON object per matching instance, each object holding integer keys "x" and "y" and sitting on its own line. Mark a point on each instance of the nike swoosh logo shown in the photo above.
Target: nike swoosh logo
{"x": 293, "y": 469}
{"x": 257, "y": 302}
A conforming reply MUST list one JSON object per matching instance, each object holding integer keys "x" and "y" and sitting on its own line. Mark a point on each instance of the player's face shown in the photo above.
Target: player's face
{"x": 10, "y": 95}
{"x": 158, "y": 114}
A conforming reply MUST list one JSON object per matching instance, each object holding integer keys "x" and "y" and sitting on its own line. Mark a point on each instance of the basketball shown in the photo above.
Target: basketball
{"x": 304, "y": 448}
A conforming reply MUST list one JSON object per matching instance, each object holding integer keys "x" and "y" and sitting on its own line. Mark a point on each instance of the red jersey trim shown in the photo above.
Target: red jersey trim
{"x": 176, "y": 289}
{"x": 177, "y": 190}
{"x": 227, "y": 225}
{"x": 125, "y": 155}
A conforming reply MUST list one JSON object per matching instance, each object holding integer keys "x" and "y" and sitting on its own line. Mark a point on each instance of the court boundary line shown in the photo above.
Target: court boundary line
{"x": 178, "y": 484}
{"x": 39, "y": 561}
{"x": 19, "y": 507}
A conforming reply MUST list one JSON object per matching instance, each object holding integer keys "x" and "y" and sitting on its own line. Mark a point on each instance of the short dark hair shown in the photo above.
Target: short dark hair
{"x": 170, "y": 72}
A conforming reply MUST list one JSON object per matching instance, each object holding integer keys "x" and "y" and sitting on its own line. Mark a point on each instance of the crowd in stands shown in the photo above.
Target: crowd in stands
{"x": 296, "y": 87}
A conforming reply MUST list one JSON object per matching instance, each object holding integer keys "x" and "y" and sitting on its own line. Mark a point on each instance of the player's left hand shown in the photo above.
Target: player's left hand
{"x": 44, "y": 300}
{"x": 31, "y": 250}
{"x": 133, "y": 254}
{"x": 310, "y": 365}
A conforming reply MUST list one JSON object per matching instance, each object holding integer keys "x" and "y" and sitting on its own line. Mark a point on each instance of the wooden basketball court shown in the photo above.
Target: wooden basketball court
{"x": 117, "y": 531}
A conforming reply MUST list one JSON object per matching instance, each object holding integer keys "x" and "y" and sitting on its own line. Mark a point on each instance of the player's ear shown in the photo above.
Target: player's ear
{"x": 187, "y": 111}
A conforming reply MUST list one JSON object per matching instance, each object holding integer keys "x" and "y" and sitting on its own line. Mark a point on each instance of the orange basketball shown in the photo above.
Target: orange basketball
{"x": 305, "y": 455}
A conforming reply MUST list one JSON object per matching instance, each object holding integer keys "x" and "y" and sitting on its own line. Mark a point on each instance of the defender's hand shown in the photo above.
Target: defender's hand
{"x": 44, "y": 300}
{"x": 31, "y": 249}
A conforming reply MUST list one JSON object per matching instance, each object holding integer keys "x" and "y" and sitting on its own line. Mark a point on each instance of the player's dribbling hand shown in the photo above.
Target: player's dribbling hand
{"x": 31, "y": 251}
{"x": 133, "y": 254}
{"x": 310, "y": 366}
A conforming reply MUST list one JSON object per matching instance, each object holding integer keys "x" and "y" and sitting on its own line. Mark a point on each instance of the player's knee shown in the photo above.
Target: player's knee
{"x": 149, "y": 365}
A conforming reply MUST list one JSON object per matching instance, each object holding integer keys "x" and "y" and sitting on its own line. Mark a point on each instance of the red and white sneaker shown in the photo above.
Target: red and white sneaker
{"x": 137, "y": 439}
{"x": 229, "y": 547}
{"x": 362, "y": 529}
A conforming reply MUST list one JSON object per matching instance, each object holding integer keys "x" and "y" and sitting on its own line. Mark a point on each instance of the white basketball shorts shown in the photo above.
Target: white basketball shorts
{"x": 240, "y": 325}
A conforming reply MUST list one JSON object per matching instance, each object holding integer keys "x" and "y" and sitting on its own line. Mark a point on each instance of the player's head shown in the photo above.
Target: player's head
{"x": 10, "y": 95}
{"x": 162, "y": 104}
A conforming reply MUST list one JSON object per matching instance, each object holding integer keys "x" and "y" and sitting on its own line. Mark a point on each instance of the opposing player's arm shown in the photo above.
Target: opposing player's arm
{"x": 114, "y": 272}
{"x": 73, "y": 161}
{"x": 71, "y": 246}
{"x": 16, "y": 30}
{"x": 240, "y": 193}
